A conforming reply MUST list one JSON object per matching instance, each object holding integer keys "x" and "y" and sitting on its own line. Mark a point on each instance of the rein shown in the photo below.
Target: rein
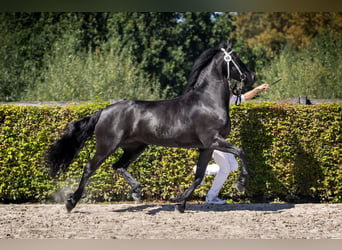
{"x": 235, "y": 90}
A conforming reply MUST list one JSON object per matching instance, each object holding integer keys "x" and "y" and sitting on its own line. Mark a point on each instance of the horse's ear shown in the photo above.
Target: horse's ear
{"x": 230, "y": 45}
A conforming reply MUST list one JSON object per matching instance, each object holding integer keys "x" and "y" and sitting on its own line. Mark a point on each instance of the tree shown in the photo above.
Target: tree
{"x": 315, "y": 71}
{"x": 262, "y": 36}
{"x": 25, "y": 38}
{"x": 166, "y": 44}
{"x": 273, "y": 30}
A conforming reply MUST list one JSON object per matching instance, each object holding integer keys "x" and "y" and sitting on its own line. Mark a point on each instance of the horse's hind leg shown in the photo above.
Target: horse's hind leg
{"x": 88, "y": 171}
{"x": 203, "y": 160}
{"x": 129, "y": 155}
{"x": 102, "y": 152}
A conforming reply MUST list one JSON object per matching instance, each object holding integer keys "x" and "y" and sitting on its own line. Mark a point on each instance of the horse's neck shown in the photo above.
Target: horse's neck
{"x": 216, "y": 86}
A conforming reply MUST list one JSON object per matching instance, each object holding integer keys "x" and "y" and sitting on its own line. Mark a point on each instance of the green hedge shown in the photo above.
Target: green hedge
{"x": 293, "y": 151}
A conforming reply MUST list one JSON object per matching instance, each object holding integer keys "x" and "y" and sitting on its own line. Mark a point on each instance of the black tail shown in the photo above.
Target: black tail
{"x": 63, "y": 151}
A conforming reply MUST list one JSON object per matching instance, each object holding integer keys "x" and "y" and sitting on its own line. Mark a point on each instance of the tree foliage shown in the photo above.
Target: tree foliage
{"x": 162, "y": 46}
{"x": 41, "y": 51}
{"x": 291, "y": 45}
{"x": 273, "y": 30}
{"x": 89, "y": 76}
{"x": 315, "y": 71}
{"x": 25, "y": 39}
{"x": 166, "y": 44}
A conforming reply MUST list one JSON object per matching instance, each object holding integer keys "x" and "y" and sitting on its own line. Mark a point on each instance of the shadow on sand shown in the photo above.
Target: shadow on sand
{"x": 153, "y": 209}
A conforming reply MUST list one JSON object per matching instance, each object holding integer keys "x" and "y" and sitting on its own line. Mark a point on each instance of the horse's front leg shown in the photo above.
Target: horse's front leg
{"x": 130, "y": 155}
{"x": 225, "y": 146}
{"x": 203, "y": 160}
{"x": 88, "y": 171}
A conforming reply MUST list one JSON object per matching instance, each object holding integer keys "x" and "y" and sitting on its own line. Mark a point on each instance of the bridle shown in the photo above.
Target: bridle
{"x": 236, "y": 90}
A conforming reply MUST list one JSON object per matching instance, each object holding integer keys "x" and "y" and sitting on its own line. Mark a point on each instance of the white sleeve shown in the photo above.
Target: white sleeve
{"x": 234, "y": 97}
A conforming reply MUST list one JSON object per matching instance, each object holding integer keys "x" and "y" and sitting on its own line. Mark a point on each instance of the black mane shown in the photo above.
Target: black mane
{"x": 200, "y": 63}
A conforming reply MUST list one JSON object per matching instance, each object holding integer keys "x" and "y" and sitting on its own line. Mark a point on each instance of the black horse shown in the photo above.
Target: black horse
{"x": 199, "y": 118}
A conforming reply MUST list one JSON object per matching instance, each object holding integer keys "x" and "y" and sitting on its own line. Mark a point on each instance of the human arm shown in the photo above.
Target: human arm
{"x": 250, "y": 94}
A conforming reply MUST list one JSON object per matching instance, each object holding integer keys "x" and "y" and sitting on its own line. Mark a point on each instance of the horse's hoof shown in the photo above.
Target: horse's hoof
{"x": 136, "y": 197}
{"x": 70, "y": 204}
{"x": 240, "y": 187}
{"x": 179, "y": 208}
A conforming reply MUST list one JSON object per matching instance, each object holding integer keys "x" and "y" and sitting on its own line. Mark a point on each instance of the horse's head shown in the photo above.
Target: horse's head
{"x": 227, "y": 63}
{"x": 233, "y": 67}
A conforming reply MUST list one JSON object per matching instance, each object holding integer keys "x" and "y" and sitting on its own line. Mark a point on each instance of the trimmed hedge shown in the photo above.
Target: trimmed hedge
{"x": 294, "y": 155}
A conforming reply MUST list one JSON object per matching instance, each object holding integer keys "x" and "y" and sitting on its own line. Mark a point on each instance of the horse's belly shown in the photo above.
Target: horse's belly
{"x": 167, "y": 138}
{"x": 177, "y": 142}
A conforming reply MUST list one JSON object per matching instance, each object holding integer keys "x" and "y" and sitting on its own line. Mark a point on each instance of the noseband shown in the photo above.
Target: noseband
{"x": 236, "y": 90}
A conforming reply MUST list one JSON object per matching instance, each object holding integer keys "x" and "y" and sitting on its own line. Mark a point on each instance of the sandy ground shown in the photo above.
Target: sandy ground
{"x": 160, "y": 221}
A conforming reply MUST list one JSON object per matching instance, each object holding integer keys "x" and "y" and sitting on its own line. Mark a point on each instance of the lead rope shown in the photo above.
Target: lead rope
{"x": 238, "y": 99}
{"x": 235, "y": 90}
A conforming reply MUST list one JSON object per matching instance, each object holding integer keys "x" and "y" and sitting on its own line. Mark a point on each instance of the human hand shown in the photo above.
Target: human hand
{"x": 262, "y": 87}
